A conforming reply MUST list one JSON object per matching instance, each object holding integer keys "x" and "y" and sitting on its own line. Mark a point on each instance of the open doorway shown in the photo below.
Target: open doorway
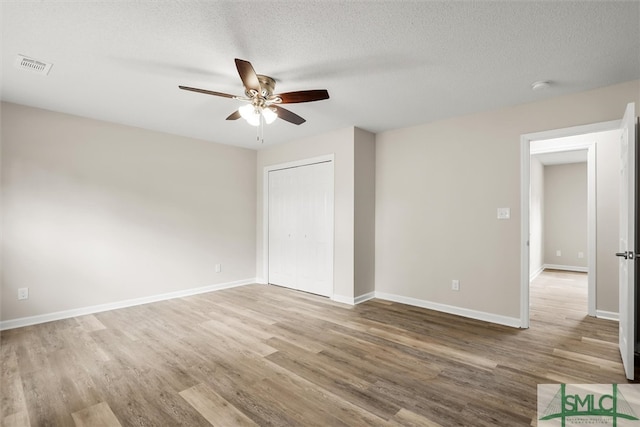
{"x": 558, "y": 297}
{"x": 562, "y": 220}
{"x": 600, "y": 144}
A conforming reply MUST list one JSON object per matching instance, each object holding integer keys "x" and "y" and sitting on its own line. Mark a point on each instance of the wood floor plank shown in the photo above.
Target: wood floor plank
{"x": 441, "y": 350}
{"x": 12, "y": 392}
{"x": 45, "y": 404}
{"x": 98, "y": 415}
{"x": 341, "y": 382}
{"x": 19, "y": 419}
{"x": 596, "y": 361}
{"x": 406, "y": 418}
{"x": 74, "y": 385}
{"x": 214, "y": 408}
{"x": 431, "y": 399}
{"x": 90, "y": 323}
{"x": 264, "y": 355}
{"x": 13, "y": 400}
{"x": 303, "y": 404}
{"x": 239, "y": 336}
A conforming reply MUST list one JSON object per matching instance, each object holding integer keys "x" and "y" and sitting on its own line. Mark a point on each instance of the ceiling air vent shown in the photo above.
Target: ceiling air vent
{"x": 35, "y": 66}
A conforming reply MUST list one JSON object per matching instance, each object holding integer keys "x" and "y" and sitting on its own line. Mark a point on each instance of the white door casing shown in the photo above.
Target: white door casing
{"x": 525, "y": 155}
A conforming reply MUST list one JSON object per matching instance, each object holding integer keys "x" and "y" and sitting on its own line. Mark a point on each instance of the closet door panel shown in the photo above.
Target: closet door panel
{"x": 282, "y": 228}
{"x": 291, "y": 220}
{"x": 305, "y": 216}
{"x": 301, "y": 228}
{"x": 316, "y": 266}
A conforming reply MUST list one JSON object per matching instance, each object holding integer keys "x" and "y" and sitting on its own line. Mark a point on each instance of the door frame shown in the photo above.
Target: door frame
{"x": 525, "y": 190}
{"x": 265, "y": 205}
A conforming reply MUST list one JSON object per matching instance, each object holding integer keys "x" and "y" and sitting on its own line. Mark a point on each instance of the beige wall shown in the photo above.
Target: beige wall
{"x": 536, "y": 217}
{"x": 341, "y": 144}
{"x": 364, "y": 203}
{"x": 437, "y": 189}
{"x": 607, "y": 213}
{"x": 565, "y": 214}
{"x": 96, "y": 213}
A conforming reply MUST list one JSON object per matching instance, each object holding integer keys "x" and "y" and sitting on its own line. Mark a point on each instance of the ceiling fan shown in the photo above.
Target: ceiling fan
{"x": 263, "y": 105}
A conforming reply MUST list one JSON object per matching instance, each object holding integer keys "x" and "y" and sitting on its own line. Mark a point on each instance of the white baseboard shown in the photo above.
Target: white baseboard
{"x": 536, "y": 273}
{"x": 49, "y": 317}
{"x": 353, "y": 301}
{"x": 344, "y": 300}
{"x": 459, "y": 311}
{"x": 566, "y": 268}
{"x": 365, "y": 297}
{"x": 609, "y": 315}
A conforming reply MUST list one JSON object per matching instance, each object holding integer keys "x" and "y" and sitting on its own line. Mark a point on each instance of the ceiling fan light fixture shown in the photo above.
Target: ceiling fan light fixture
{"x": 269, "y": 115}
{"x": 258, "y": 90}
{"x": 254, "y": 120}
{"x": 250, "y": 113}
{"x": 246, "y": 111}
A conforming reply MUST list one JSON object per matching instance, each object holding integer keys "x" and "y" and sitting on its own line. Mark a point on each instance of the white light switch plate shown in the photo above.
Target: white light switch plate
{"x": 504, "y": 213}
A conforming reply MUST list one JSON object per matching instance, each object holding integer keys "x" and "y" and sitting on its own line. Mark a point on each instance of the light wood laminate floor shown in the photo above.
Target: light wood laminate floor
{"x": 263, "y": 355}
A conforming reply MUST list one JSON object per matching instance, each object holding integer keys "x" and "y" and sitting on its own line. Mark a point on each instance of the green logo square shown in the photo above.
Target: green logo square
{"x": 568, "y": 405}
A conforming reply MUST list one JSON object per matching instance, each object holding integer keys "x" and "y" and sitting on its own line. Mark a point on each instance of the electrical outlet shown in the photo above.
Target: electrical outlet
{"x": 218, "y": 268}
{"x": 580, "y": 255}
{"x": 23, "y": 293}
{"x": 455, "y": 285}
{"x": 558, "y": 252}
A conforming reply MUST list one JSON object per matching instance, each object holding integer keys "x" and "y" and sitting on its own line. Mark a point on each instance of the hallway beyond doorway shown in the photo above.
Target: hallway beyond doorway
{"x": 556, "y": 293}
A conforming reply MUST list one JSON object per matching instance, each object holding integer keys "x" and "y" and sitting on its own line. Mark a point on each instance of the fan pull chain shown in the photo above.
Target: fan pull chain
{"x": 260, "y": 131}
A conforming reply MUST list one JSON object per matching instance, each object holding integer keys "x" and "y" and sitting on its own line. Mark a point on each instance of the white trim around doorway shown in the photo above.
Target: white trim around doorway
{"x": 525, "y": 178}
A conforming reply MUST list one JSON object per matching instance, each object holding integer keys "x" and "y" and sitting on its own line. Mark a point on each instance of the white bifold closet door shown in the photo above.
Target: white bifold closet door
{"x": 301, "y": 228}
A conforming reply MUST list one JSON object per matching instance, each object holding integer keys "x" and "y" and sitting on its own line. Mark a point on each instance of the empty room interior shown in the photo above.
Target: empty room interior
{"x": 327, "y": 213}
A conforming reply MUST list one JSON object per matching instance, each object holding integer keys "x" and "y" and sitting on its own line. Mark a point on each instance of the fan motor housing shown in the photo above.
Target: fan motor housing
{"x": 268, "y": 85}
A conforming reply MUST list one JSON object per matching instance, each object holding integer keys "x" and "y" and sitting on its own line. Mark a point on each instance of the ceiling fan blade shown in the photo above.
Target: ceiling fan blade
{"x": 287, "y": 115}
{"x": 303, "y": 96}
{"x": 234, "y": 116}
{"x": 248, "y": 75}
{"x": 207, "y": 92}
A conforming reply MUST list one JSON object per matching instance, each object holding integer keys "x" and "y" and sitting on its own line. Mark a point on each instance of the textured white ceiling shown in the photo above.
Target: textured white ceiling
{"x": 386, "y": 64}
